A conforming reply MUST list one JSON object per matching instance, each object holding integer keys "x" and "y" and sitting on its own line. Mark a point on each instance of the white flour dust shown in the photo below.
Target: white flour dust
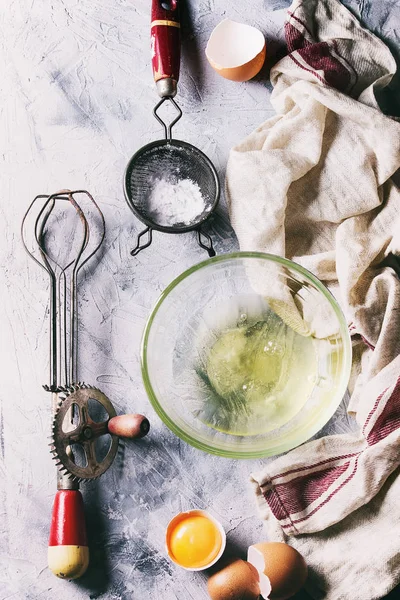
{"x": 175, "y": 202}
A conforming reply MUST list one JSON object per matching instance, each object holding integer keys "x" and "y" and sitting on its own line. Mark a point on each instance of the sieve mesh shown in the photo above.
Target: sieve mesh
{"x": 173, "y": 161}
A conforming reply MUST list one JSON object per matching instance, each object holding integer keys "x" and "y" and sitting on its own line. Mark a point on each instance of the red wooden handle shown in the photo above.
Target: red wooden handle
{"x": 165, "y": 39}
{"x": 68, "y": 554}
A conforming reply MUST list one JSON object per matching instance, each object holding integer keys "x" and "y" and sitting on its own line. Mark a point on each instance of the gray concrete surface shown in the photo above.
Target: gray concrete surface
{"x": 76, "y": 99}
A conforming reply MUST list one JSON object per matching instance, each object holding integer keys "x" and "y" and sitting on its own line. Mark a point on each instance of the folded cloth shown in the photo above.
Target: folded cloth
{"x": 314, "y": 184}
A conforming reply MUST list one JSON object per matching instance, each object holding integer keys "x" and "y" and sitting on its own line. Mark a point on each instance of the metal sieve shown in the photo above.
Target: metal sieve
{"x": 169, "y": 160}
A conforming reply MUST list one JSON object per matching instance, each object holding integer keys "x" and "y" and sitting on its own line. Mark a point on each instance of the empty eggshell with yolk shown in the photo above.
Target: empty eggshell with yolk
{"x": 236, "y": 51}
{"x": 282, "y": 569}
{"x": 236, "y": 580}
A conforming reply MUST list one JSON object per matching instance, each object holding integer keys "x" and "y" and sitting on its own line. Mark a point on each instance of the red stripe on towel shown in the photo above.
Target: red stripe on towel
{"x": 305, "y": 69}
{"x": 389, "y": 419}
{"x": 304, "y": 25}
{"x": 350, "y": 66}
{"x": 276, "y": 506}
{"x": 297, "y": 494}
{"x": 317, "y": 508}
{"x": 319, "y": 464}
{"x": 372, "y": 411}
{"x": 317, "y": 56}
{"x": 295, "y": 40}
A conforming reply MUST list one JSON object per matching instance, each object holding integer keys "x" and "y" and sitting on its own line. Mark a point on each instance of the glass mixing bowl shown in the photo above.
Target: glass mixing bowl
{"x": 246, "y": 355}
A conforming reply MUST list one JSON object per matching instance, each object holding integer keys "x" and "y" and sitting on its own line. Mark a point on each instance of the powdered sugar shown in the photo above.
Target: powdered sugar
{"x": 175, "y": 202}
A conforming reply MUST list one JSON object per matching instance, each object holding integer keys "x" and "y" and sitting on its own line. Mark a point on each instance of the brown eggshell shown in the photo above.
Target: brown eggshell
{"x": 235, "y": 50}
{"x": 242, "y": 72}
{"x": 129, "y": 426}
{"x": 285, "y": 568}
{"x": 237, "y": 580}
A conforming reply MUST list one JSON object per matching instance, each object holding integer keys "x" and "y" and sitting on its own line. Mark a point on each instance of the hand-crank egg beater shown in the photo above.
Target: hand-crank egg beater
{"x": 85, "y": 426}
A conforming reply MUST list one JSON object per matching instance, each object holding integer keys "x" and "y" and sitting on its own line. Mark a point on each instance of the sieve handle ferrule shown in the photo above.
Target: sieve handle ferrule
{"x": 165, "y": 45}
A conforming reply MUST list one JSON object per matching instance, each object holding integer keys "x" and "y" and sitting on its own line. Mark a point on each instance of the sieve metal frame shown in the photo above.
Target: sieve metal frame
{"x": 149, "y": 222}
{"x": 151, "y": 225}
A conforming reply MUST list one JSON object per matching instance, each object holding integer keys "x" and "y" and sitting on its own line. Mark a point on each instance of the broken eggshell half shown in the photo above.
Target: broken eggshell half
{"x": 236, "y": 579}
{"x": 282, "y": 570}
{"x": 273, "y": 570}
{"x": 236, "y": 51}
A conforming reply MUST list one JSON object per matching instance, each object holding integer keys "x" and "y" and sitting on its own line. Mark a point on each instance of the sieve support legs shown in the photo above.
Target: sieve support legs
{"x": 139, "y": 246}
{"x": 203, "y": 239}
{"x": 205, "y": 242}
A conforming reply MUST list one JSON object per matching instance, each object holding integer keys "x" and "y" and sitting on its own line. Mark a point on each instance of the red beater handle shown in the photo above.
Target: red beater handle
{"x": 166, "y": 45}
{"x": 68, "y": 553}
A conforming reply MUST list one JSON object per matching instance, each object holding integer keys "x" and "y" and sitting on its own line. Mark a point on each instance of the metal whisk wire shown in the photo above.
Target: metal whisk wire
{"x": 60, "y": 350}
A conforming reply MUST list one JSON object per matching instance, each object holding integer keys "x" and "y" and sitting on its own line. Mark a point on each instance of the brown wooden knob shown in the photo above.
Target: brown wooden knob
{"x": 129, "y": 426}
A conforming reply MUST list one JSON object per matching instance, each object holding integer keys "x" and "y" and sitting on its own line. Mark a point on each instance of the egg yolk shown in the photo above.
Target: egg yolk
{"x": 195, "y": 542}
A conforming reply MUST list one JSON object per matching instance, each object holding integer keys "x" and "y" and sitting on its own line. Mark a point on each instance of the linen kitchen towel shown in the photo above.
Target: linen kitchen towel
{"x": 314, "y": 184}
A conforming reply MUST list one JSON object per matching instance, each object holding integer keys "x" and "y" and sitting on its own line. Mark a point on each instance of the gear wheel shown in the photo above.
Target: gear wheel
{"x": 85, "y": 433}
